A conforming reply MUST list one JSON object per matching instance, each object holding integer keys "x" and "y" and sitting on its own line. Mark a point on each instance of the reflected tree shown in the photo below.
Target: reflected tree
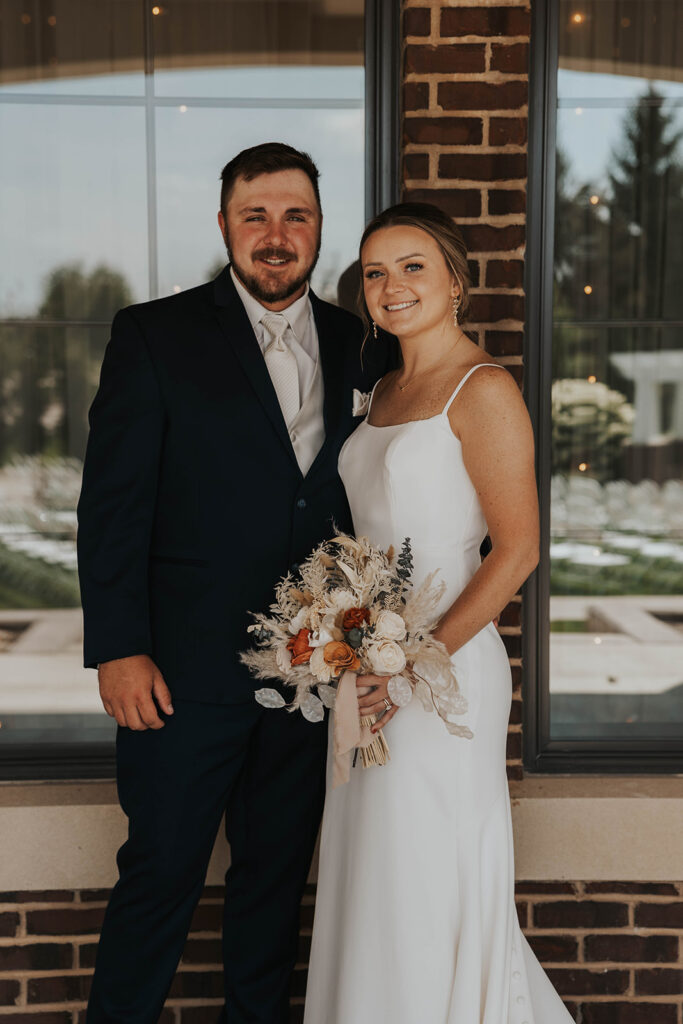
{"x": 48, "y": 374}
{"x": 646, "y": 207}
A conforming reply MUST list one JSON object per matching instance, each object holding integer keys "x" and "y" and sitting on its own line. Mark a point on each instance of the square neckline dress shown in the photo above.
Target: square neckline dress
{"x": 415, "y": 920}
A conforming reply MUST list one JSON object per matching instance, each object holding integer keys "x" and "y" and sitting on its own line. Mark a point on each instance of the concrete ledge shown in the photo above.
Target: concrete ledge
{"x": 65, "y": 835}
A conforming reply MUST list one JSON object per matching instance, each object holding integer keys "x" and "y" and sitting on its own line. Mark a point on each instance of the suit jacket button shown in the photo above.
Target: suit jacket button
{"x": 301, "y": 503}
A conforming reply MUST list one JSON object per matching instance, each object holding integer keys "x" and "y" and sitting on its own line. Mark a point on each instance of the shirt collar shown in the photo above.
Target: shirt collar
{"x": 296, "y": 314}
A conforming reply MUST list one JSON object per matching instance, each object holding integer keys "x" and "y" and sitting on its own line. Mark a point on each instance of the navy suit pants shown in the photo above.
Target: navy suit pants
{"x": 266, "y": 770}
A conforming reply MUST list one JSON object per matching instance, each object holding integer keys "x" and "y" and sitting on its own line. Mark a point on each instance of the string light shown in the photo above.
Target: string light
{"x": 26, "y": 19}
{"x": 583, "y": 466}
{"x": 594, "y": 200}
{"x": 579, "y": 111}
{"x": 588, "y": 289}
{"x": 592, "y": 378}
{"x": 182, "y": 108}
{"x": 578, "y": 18}
{"x": 156, "y": 10}
{"x": 52, "y": 20}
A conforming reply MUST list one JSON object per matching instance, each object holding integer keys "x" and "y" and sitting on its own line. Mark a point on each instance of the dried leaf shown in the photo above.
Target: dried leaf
{"x": 270, "y": 698}
{"x": 327, "y": 694}
{"x": 311, "y": 708}
{"x": 400, "y": 691}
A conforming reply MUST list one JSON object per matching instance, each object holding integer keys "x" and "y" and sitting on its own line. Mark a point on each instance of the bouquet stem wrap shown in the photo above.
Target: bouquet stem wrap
{"x": 352, "y": 732}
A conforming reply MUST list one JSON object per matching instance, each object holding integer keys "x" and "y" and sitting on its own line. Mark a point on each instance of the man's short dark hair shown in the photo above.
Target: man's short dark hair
{"x": 267, "y": 158}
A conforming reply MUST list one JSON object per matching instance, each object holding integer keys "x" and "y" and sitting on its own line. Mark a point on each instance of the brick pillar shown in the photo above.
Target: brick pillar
{"x": 465, "y": 82}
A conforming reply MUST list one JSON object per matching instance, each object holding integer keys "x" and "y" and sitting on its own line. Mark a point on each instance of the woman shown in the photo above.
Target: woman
{"x": 415, "y": 918}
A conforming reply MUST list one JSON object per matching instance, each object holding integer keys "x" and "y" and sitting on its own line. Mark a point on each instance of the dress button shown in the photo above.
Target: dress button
{"x": 516, "y": 975}
{"x": 520, "y": 1000}
{"x": 301, "y": 503}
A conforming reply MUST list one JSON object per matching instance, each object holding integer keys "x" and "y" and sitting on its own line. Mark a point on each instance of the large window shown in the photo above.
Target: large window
{"x": 606, "y": 339}
{"x": 116, "y": 118}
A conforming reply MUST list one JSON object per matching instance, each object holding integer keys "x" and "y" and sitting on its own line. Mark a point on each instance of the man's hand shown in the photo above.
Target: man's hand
{"x": 127, "y": 689}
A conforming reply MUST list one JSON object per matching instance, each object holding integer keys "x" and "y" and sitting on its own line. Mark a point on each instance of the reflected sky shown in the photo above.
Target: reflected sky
{"x": 588, "y": 134}
{"x": 75, "y": 184}
{"x": 305, "y": 83}
{"x": 73, "y": 190}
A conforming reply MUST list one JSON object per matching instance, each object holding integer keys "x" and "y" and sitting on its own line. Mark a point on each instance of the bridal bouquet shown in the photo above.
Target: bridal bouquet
{"x": 352, "y": 610}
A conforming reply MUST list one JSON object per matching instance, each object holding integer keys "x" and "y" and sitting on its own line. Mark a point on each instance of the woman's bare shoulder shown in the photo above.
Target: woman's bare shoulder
{"x": 490, "y": 398}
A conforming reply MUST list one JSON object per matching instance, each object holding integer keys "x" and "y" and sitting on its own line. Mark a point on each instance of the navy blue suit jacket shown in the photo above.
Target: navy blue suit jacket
{"x": 193, "y": 504}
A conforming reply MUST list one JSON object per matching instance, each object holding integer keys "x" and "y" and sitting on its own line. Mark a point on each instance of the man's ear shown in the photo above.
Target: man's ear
{"x": 222, "y": 225}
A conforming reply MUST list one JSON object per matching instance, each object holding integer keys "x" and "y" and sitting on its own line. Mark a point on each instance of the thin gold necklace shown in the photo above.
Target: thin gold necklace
{"x": 402, "y": 387}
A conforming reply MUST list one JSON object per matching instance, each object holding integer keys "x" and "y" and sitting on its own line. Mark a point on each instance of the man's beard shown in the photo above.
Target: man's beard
{"x": 273, "y": 291}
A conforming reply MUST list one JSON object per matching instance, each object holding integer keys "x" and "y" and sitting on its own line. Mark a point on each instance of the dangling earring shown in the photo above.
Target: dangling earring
{"x": 456, "y": 306}
{"x": 374, "y": 329}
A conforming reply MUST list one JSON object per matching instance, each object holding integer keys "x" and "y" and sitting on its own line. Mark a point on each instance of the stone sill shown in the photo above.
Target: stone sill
{"x": 63, "y": 835}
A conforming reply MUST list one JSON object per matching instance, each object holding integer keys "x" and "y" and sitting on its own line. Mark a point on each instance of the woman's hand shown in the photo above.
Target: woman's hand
{"x": 377, "y": 701}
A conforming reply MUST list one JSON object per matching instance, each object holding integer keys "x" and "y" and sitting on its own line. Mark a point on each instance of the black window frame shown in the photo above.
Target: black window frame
{"x": 47, "y": 761}
{"x": 540, "y": 752}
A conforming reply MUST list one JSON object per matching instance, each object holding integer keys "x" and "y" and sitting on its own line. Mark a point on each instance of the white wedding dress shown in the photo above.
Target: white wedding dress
{"x": 415, "y": 919}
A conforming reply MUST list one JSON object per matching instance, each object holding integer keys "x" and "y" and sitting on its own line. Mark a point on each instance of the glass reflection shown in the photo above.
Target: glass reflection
{"x": 72, "y": 47}
{"x": 261, "y": 48}
{"x": 617, "y": 399}
{"x": 74, "y": 195}
{"x": 49, "y": 376}
{"x": 110, "y": 194}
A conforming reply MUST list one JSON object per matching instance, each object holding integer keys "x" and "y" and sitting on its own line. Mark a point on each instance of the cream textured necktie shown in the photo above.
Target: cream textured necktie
{"x": 282, "y": 366}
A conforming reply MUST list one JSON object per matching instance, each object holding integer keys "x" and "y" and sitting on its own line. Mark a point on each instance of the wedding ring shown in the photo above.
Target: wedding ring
{"x": 387, "y": 704}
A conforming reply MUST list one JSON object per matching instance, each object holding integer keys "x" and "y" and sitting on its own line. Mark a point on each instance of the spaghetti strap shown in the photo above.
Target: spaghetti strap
{"x": 468, "y": 374}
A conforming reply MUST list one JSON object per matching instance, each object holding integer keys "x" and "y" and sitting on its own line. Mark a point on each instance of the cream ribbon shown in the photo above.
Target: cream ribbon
{"x": 348, "y": 732}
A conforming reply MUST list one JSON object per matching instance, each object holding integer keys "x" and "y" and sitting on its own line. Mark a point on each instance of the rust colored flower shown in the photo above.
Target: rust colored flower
{"x": 340, "y": 656}
{"x": 354, "y": 618}
{"x": 300, "y": 647}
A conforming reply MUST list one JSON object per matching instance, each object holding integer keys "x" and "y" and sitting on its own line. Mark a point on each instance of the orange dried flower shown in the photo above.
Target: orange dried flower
{"x": 340, "y": 656}
{"x": 354, "y": 618}
{"x": 300, "y": 647}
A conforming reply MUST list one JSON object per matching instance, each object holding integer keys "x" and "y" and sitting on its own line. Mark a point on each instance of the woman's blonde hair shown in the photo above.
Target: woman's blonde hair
{"x": 445, "y": 233}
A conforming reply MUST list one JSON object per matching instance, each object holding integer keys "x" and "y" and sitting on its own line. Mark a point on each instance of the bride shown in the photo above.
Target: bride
{"x": 415, "y": 919}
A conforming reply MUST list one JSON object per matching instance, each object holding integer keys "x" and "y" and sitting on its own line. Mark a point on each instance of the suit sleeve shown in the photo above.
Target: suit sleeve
{"x": 118, "y": 496}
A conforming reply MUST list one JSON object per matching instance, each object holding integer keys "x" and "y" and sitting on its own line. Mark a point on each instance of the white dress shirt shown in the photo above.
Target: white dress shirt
{"x": 307, "y": 429}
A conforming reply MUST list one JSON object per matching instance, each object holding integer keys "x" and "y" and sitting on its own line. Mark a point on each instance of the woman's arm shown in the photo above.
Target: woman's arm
{"x": 492, "y": 422}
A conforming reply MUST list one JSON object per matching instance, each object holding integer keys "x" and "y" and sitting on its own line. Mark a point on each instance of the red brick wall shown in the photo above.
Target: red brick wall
{"x": 614, "y": 950}
{"x": 464, "y": 147}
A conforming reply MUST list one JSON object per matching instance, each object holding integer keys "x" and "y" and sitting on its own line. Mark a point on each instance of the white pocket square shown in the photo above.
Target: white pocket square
{"x": 361, "y": 401}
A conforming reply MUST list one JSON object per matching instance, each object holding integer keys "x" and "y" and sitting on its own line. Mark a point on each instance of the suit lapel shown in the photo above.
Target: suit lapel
{"x": 332, "y": 364}
{"x": 237, "y": 328}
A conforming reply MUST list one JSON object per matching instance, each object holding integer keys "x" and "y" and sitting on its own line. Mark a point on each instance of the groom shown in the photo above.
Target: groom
{"x": 211, "y": 470}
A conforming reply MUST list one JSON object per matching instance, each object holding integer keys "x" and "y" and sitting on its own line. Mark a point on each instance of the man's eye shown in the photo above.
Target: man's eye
{"x": 414, "y": 266}
{"x": 255, "y": 217}
{"x": 299, "y": 220}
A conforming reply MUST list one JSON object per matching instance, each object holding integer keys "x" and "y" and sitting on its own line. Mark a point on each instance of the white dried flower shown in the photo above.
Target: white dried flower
{"x": 300, "y": 621}
{"x": 386, "y": 658}
{"x": 340, "y": 601}
{"x": 283, "y": 658}
{"x": 327, "y": 632}
{"x": 319, "y": 667}
{"x": 389, "y": 626}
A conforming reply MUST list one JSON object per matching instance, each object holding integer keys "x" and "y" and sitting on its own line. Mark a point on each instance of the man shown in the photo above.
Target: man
{"x": 211, "y": 470}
